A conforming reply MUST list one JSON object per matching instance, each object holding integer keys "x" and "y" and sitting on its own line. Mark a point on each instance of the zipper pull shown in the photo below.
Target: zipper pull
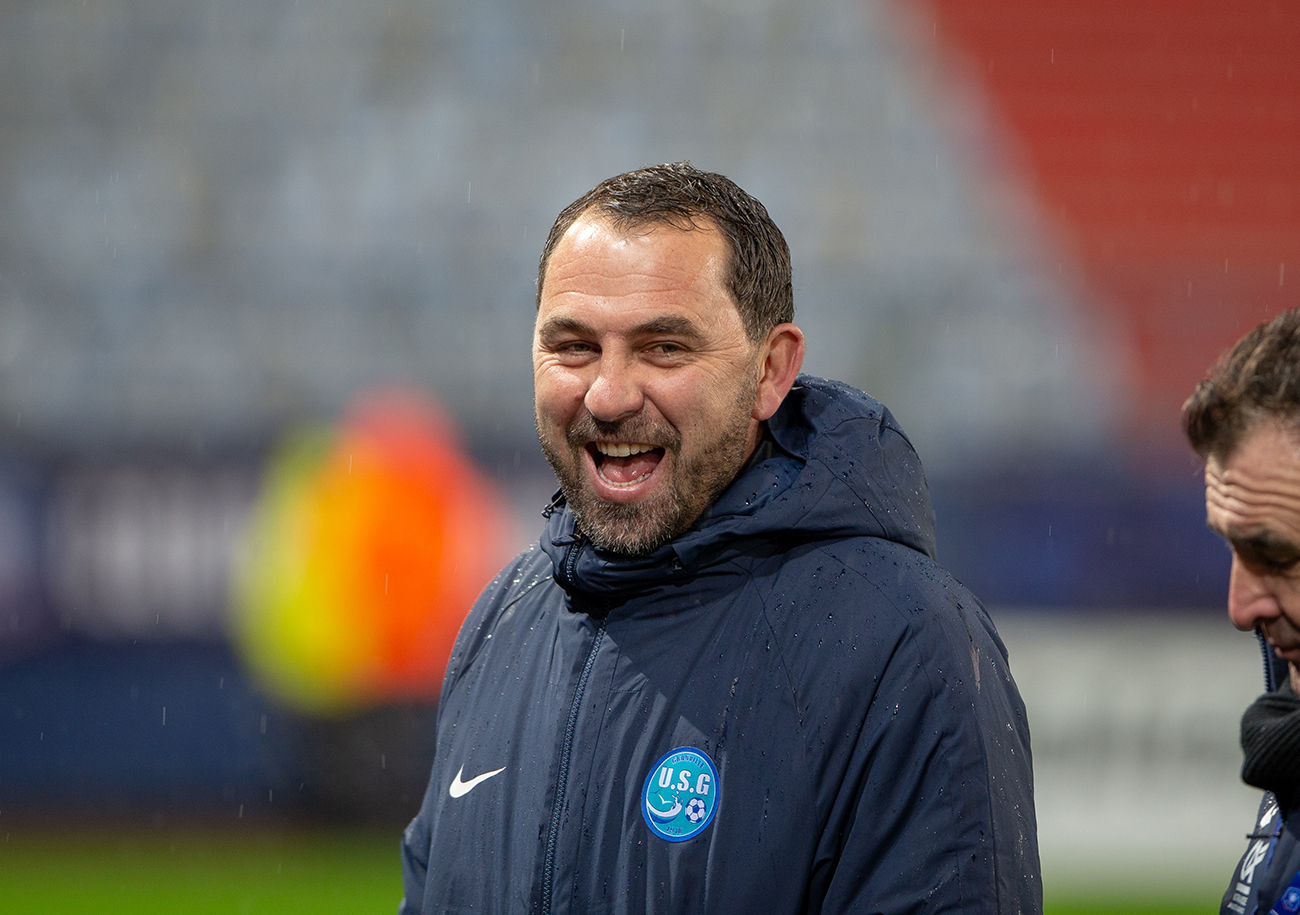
{"x": 556, "y": 501}
{"x": 571, "y": 557}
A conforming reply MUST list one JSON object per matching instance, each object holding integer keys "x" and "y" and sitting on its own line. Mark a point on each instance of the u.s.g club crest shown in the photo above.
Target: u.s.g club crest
{"x": 680, "y": 795}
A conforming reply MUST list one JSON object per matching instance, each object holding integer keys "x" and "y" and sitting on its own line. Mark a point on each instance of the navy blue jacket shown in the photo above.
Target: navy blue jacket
{"x": 1272, "y": 857}
{"x": 788, "y": 708}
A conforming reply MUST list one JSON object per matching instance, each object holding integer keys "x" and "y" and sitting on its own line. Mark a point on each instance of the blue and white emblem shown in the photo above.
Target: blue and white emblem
{"x": 680, "y": 795}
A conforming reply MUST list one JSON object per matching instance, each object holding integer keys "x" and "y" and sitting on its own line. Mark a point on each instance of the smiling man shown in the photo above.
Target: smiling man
{"x": 1244, "y": 421}
{"x": 647, "y": 385}
{"x": 730, "y": 676}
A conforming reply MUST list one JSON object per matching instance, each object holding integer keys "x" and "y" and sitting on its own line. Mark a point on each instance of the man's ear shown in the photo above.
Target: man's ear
{"x": 780, "y": 358}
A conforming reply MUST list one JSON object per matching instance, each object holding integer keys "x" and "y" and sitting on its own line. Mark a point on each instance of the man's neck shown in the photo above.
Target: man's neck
{"x": 765, "y": 448}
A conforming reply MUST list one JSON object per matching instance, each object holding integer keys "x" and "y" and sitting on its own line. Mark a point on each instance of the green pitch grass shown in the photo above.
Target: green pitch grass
{"x": 106, "y": 872}
{"x": 138, "y": 871}
{"x": 1102, "y": 905}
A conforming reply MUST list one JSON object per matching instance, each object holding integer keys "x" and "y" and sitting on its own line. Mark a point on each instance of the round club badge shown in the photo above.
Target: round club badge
{"x": 680, "y": 795}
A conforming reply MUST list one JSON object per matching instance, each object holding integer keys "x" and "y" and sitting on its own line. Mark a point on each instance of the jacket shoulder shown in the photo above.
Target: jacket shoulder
{"x": 881, "y": 643}
{"x": 523, "y": 576}
{"x": 878, "y": 597}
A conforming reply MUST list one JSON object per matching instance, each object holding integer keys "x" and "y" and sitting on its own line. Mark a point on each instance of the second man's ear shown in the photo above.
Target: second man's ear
{"x": 781, "y": 357}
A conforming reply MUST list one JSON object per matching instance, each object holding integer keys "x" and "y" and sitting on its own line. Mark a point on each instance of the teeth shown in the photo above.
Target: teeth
{"x": 621, "y": 449}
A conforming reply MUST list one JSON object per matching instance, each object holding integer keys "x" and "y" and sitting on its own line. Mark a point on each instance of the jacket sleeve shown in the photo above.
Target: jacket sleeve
{"x": 417, "y": 839}
{"x": 415, "y": 860}
{"x": 935, "y": 812}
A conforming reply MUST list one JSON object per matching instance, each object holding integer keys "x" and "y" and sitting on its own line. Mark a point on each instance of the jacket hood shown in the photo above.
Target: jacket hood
{"x": 842, "y": 468}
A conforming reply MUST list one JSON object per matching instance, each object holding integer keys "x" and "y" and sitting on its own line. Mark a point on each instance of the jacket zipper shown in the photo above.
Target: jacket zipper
{"x": 562, "y": 776}
{"x": 571, "y": 557}
{"x": 1270, "y": 681}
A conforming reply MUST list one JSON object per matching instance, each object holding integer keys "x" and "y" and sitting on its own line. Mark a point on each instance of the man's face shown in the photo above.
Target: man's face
{"x": 644, "y": 379}
{"x": 1252, "y": 499}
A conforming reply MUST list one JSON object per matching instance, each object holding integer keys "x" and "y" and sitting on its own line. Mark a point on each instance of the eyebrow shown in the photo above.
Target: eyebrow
{"x": 1264, "y": 548}
{"x": 672, "y": 325}
{"x": 554, "y": 326}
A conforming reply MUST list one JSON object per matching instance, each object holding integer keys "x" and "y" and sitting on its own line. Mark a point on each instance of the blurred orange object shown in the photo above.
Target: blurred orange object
{"x": 365, "y": 551}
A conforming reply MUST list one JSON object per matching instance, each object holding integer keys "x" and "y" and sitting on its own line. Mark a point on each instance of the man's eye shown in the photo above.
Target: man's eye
{"x": 1281, "y": 566}
{"x": 1264, "y": 564}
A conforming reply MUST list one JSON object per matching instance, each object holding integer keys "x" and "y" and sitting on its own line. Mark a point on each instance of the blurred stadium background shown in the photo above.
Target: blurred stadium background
{"x": 244, "y": 244}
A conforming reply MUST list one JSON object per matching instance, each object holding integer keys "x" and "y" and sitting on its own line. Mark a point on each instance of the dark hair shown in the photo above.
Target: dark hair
{"x": 680, "y": 195}
{"x": 1258, "y": 379}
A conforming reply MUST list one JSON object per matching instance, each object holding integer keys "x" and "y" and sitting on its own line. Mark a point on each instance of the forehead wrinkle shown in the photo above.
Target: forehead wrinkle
{"x": 1238, "y": 497}
{"x": 1273, "y": 481}
{"x": 1252, "y": 509}
{"x": 615, "y": 281}
{"x": 1236, "y": 526}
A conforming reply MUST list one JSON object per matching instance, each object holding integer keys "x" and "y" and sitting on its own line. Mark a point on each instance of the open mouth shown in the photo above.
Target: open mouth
{"x": 624, "y": 463}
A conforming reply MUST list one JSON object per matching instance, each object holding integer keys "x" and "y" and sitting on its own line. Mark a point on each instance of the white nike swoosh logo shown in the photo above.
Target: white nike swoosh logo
{"x": 458, "y": 788}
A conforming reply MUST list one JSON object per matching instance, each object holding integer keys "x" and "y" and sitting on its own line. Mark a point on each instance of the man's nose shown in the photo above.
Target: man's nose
{"x": 615, "y": 392}
{"x": 1249, "y": 600}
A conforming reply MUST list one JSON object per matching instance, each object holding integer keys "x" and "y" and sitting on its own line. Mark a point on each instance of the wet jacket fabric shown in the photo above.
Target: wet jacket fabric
{"x": 1272, "y": 857}
{"x": 848, "y": 733}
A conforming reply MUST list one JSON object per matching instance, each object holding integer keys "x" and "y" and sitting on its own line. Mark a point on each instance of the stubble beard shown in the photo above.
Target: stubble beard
{"x": 637, "y": 528}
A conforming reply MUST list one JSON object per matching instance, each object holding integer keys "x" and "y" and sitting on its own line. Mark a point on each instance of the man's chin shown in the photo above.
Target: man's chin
{"x": 627, "y": 528}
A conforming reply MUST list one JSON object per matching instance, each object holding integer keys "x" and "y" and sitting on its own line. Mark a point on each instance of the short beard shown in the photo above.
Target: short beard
{"x": 634, "y": 529}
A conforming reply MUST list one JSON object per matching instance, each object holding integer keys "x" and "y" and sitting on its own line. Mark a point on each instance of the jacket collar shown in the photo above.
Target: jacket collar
{"x": 841, "y": 467}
